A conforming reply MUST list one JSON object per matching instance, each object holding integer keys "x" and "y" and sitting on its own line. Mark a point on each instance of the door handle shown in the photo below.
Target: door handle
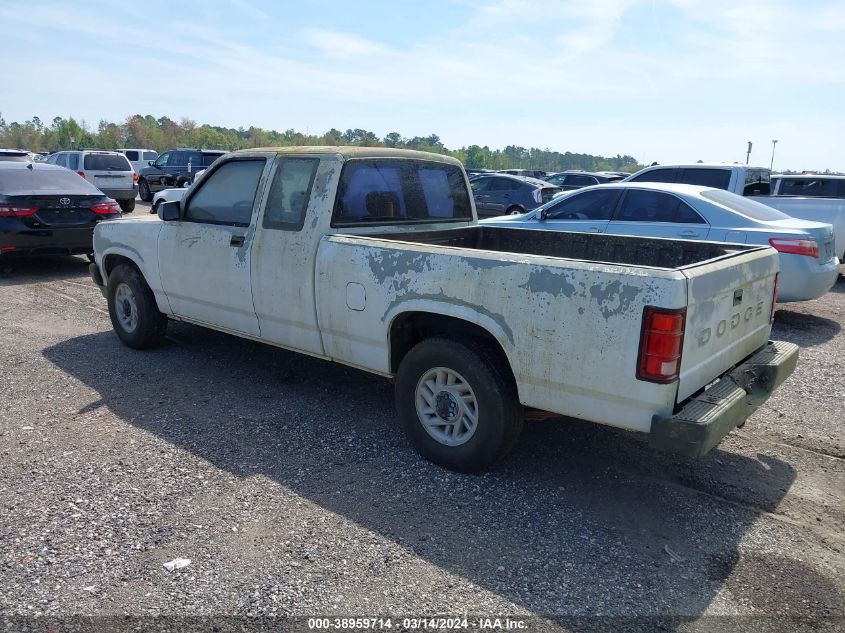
{"x": 237, "y": 240}
{"x": 593, "y": 229}
{"x": 687, "y": 233}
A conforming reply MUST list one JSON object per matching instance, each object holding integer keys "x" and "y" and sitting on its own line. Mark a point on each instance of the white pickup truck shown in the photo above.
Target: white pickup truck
{"x": 374, "y": 258}
{"x": 754, "y": 183}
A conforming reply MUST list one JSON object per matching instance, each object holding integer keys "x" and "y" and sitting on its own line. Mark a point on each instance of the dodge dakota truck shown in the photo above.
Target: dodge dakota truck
{"x": 374, "y": 258}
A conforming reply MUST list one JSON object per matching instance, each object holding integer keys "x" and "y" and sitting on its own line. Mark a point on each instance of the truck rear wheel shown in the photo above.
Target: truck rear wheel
{"x": 132, "y": 308}
{"x": 456, "y": 406}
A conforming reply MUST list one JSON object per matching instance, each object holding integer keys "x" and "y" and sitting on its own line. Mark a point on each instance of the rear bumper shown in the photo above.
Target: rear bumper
{"x": 121, "y": 194}
{"x": 54, "y": 241}
{"x": 804, "y": 278}
{"x": 705, "y": 419}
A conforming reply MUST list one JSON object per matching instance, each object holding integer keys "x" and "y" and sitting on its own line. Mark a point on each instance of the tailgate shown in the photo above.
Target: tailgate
{"x": 728, "y": 315}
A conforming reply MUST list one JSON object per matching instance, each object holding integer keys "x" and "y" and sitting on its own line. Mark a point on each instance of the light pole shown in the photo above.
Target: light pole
{"x": 774, "y": 142}
{"x": 748, "y": 153}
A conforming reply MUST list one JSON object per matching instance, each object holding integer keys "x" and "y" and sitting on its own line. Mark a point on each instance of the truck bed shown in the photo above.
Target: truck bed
{"x": 599, "y": 247}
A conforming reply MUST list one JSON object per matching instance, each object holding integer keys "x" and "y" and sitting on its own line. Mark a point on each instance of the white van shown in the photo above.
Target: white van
{"x": 139, "y": 158}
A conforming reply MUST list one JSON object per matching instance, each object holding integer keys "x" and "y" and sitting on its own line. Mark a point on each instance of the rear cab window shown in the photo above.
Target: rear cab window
{"x": 396, "y": 191}
{"x": 106, "y": 162}
{"x": 815, "y": 187}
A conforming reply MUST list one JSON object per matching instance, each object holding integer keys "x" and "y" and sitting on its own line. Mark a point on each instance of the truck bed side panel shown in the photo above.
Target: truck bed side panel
{"x": 570, "y": 329}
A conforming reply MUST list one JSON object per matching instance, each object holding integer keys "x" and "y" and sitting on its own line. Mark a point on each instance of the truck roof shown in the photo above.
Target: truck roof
{"x": 353, "y": 151}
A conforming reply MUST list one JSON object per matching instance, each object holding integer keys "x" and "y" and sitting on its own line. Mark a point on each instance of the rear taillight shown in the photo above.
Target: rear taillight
{"x": 134, "y": 177}
{"x": 792, "y": 246}
{"x": 538, "y": 196}
{"x": 661, "y": 343}
{"x": 775, "y": 296}
{"x": 81, "y": 173}
{"x": 8, "y": 211}
{"x": 106, "y": 208}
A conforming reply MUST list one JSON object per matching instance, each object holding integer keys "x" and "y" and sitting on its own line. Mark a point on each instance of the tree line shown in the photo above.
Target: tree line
{"x": 163, "y": 133}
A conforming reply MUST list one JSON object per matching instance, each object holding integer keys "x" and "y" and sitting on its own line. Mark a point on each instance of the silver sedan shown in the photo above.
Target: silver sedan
{"x": 808, "y": 263}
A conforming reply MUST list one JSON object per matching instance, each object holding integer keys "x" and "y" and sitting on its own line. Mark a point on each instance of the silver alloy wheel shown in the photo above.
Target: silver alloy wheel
{"x": 126, "y": 307}
{"x": 446, "y": 406}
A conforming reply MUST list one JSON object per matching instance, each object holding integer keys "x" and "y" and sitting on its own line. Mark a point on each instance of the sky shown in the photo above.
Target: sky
{"x": 660, "y": 80}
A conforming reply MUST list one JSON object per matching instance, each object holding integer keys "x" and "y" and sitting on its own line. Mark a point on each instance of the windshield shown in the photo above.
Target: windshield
{"x": 744, "y": 206}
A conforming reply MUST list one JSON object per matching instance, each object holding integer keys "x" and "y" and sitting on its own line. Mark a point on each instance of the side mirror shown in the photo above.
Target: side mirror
{"x": 170, "y": 211}
{"x": 151, "y": 163}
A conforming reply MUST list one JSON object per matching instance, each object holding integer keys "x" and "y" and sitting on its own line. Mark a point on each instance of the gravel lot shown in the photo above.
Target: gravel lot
{"x": 287, "y": 483}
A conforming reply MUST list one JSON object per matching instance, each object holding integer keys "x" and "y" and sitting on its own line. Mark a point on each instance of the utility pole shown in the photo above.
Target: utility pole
{"x": 748, "y": 154}
{"x": 774, "y": 142}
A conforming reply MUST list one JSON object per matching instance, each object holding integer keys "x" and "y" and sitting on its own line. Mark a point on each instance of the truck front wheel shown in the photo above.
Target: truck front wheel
{"x": 456, "y": 405}
{"x": 132, "y": 308}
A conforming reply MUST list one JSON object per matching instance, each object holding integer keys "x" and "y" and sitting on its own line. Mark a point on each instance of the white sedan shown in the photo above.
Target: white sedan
{"x": 808, "y": 264}
{"x": 170, "y": 195}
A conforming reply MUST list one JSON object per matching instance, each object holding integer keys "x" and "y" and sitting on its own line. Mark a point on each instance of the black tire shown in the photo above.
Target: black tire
{"x": 90, "y": 257}
{"x": 515, "y": 210}
{"x": 499, "y": 413}
{"x": 128, "y": 205}
{"x": 144, "y": 191}
{"x": 150, "y": 324}
{"x": 154, "y": 208}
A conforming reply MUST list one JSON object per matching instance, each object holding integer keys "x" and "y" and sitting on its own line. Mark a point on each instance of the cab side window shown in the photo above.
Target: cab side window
{"x": 289, "y": 193}
{"x": 161, "y": 161}
{"x": 227, "y": 195}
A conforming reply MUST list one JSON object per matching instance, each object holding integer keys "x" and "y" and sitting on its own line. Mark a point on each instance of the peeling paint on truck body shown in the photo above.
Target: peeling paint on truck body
{"x": 566, "y": 311}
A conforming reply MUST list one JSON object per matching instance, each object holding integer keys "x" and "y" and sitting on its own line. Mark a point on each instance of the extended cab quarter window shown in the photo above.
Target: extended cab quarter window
{"x": 398, "y": 191}
{"x": 289, "y": 193}
{"x": 227, "y": 195}
{"x": 593, "y": 205}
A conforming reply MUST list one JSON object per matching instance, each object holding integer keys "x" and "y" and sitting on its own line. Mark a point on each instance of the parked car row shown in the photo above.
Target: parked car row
{"x": 808, "y": 265}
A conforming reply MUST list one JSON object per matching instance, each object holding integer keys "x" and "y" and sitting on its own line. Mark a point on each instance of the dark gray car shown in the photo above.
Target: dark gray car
{"x": 501, "y": 194}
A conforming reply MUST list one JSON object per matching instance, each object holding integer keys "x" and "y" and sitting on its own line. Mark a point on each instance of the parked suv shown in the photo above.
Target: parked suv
{"x": 174, "y": 168}
{"x": 139, "y": 158}
{"x": 109, "y": 171}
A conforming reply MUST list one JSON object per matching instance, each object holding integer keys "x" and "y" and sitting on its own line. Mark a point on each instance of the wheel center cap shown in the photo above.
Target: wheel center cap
{"x": 446, "y": 406}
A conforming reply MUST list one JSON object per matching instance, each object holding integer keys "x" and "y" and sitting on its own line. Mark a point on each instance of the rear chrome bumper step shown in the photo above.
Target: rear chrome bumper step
{"x": 705, "y": 419}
